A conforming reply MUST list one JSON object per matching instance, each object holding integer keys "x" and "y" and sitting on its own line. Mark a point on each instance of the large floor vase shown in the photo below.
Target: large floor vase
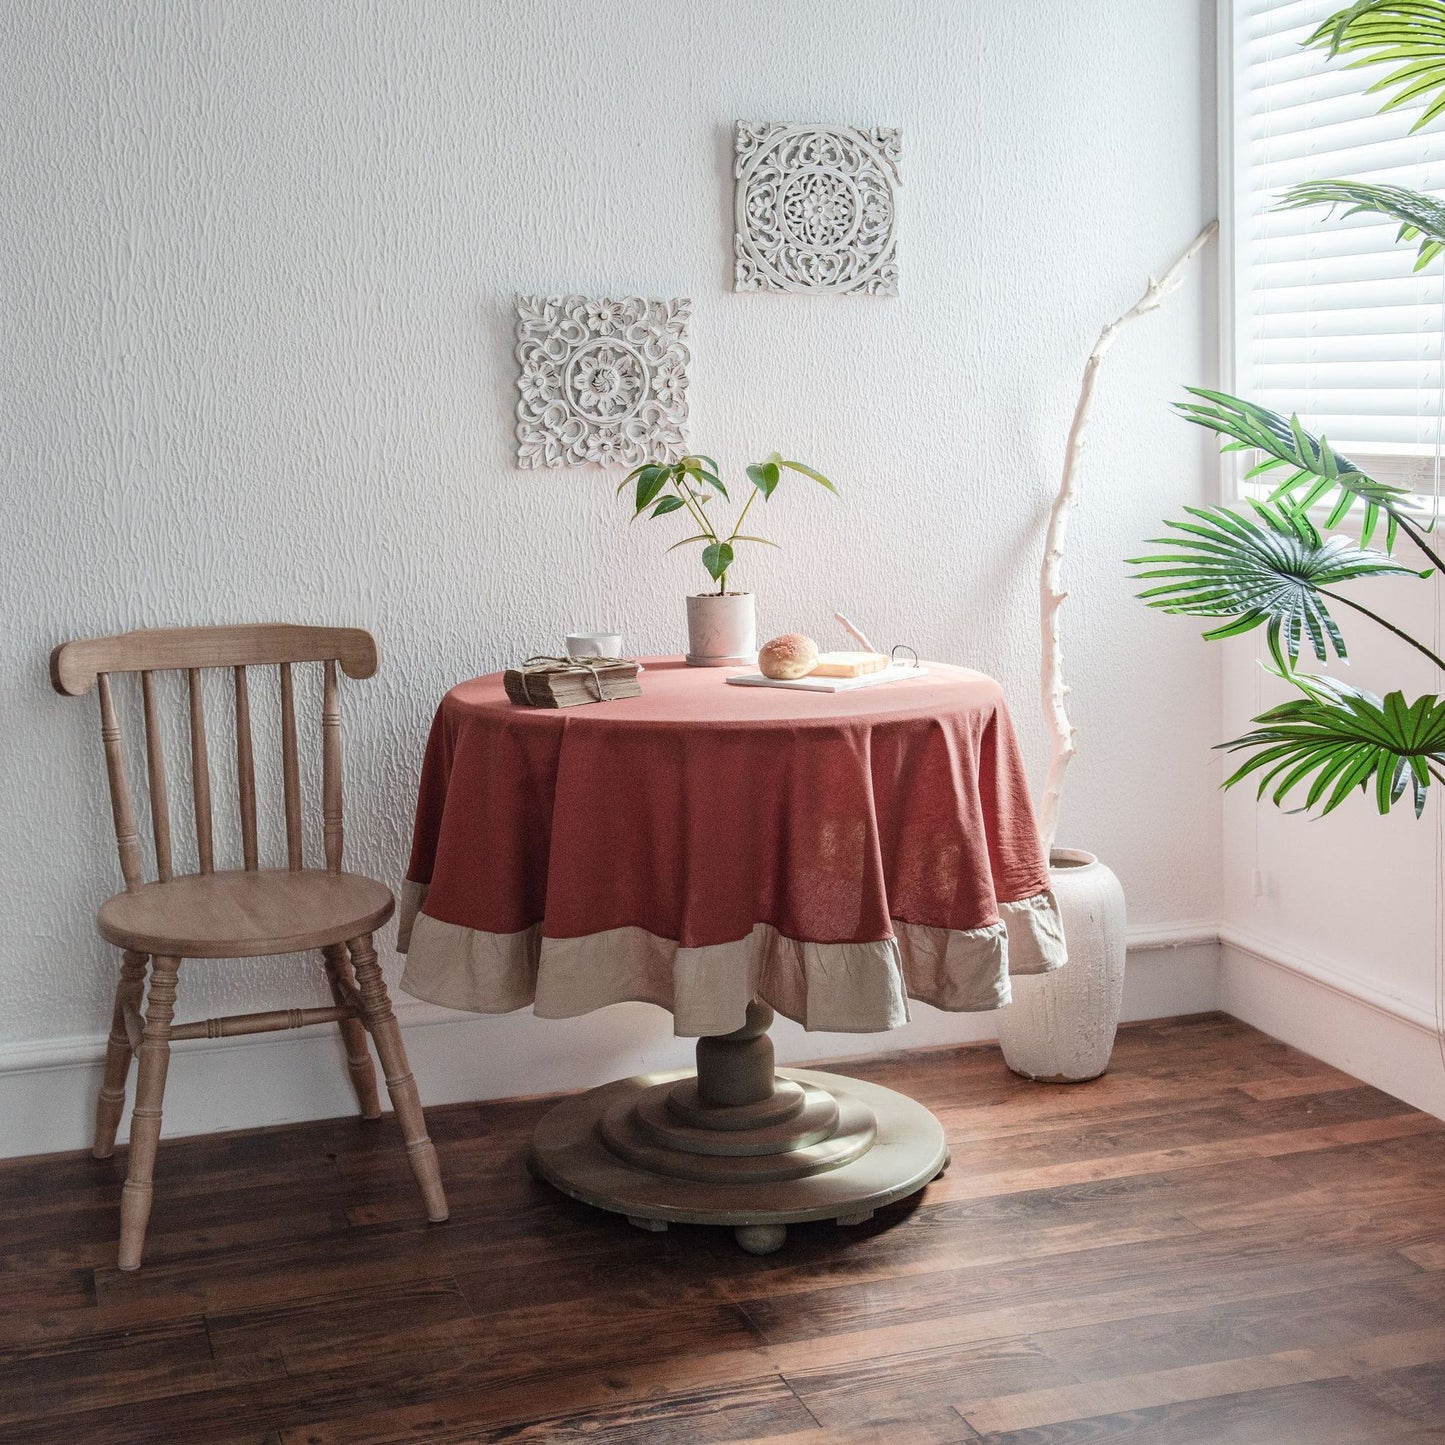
{"x": 1060, "y": 1027}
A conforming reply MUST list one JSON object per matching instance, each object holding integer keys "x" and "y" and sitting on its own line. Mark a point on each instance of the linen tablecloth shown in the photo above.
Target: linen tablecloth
{"x": 833, "y": 853}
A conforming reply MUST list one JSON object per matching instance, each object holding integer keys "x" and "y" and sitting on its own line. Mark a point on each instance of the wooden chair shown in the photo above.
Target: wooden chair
{"x": 242, "y": 913}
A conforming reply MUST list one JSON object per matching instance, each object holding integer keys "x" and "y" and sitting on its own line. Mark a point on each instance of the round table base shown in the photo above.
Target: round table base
{"x": 570, "y": 1151}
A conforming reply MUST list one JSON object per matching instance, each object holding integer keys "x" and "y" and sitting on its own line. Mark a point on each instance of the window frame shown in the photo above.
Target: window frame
{"x": 1415, "y": 470}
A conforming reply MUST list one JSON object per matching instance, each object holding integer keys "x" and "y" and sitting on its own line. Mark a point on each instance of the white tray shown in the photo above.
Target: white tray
{"x": 894, "y": 673}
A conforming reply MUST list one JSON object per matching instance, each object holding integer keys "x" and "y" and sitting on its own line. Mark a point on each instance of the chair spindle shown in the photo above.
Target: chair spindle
{"x": 245, "y": 771}
{"x": 127, "y": 840}
{"x": 290, "y": 770}
{"x": 156, "y": 775}
{"x": 331, "y": 771}
{"x": 200, "y": 774}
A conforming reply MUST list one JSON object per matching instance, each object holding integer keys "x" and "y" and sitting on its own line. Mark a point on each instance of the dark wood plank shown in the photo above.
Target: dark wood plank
{"x": 342, "y": 1327}
{"x": 947, "y": 1428}
{"x": 1318, "y": 1319}
{"x": 1176, "y": 1400}
{"x": 1326, "y": 1412}
{"x": 132, "y": 1365}
{"x": 761, "y": 1409}
{"x": 900, "y": 1391}
{"x": 1417, "y": 1392}
{"x": 1428, "y": 1254}
{"x": 1168, "y": 1275}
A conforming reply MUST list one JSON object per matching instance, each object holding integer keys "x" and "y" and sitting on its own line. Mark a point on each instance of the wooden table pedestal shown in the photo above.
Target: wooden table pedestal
{"x": 739, "y": 1144}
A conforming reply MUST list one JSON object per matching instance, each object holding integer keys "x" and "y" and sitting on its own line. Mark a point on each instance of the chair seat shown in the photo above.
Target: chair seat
{"x": 245, "y": 915}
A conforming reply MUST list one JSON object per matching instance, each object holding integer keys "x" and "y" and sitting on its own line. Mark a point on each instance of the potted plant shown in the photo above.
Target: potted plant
{"x": 721, "y": 625}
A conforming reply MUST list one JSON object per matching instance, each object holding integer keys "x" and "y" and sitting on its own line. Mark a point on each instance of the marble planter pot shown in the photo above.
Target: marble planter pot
{"x": 1060, "y": 1027}
{"x": 722, "y": 629}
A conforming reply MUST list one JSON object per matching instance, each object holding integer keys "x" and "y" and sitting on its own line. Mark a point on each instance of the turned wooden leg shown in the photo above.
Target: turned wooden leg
{"x": 353, "y": 1035}
{"x": 376, "y": 1007}
{"x": 129, "y": 989}
{"x": 152, "y": 1059}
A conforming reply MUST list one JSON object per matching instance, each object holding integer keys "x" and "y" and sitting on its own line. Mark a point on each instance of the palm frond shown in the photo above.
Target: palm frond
{"x": 1312, "y": 470}
{"x": 1407, "y": 35}
{"x": 1420, "y": 217}
{"x": 1267, "y": 571}
{"x": 1342, "y": 739}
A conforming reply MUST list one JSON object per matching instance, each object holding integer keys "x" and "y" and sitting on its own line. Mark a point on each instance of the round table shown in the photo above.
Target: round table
{"x": 725, "y": 852}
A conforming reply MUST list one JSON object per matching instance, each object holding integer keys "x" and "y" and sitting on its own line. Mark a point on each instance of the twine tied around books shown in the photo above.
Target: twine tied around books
{"x": 541, "y": 664}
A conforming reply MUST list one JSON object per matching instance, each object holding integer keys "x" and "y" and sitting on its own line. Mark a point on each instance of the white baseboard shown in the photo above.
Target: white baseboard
{"x": 1387, "y": 1041}
{"x": 48, "y": 1089}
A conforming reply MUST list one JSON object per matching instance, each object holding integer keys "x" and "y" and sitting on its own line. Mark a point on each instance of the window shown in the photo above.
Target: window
{"x": 1327, "y": 320}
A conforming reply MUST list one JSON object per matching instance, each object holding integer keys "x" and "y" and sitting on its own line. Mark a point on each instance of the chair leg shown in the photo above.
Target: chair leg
{"x": 385, "y": 1033}
{"x": 111, "y": 1103}
{"x": 152, "y": 1057}
{"x": 353, "y": 1035}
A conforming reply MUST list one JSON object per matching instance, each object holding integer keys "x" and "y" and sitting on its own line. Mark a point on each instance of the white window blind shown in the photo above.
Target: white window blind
{"x": 1329, "y": 318}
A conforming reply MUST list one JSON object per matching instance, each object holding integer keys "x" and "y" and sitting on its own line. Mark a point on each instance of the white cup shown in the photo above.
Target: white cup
{"x": 594, "y": 644}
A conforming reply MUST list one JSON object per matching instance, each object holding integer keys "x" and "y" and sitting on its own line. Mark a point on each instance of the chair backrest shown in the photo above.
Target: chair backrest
{"x": 77, "y": 666}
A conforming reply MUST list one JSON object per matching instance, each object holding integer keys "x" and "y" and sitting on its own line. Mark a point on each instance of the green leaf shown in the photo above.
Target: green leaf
{"x": 700, "y": 537}
{"x": 818, "y": 477}
{"x": 712, "y": 480}
{"x": 668, "y": 504}
{"x": 764, "y": 476}
{"x": 717, "y": 559}
{"x": 1345, "y": 739}
{"x": 650, "y": 481}
{"x": 705, "y": 470}
{"x": 1409, "y": 34}
{"x": 743, "y": 537}
{"x": 1266, "y": 570}
{"x": 1420, "y": 217}
{"x": 1307, "y": 460}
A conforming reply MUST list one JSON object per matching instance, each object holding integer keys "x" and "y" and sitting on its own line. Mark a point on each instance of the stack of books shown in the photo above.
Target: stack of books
{"x": 566, "y": 682}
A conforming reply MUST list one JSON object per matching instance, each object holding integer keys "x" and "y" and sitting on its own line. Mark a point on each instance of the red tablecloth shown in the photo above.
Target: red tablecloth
{"x": 703, "y": 843}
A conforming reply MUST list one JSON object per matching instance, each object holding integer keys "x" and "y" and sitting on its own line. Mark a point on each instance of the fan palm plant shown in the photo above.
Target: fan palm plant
{"x": 1274, "y": 569}
{"x": 1270, "y": 572}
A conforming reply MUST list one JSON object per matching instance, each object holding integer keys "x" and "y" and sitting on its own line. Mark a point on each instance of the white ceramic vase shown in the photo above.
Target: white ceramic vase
{"x": 1060, "y": 1027}
{"x": 722, "y": 629}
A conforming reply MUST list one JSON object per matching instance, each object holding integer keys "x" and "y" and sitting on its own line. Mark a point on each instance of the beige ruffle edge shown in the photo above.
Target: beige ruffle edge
{"x": 833, "y": 987}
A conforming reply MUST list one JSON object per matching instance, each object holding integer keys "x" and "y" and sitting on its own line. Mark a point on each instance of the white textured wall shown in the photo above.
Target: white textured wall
{"x": 258, "y": 261}
{"x": 1355, "y": 891}
{"x": 1351, "y": 902}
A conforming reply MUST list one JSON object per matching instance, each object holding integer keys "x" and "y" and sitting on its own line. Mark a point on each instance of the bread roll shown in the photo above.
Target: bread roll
{"x": 787, "y": 657}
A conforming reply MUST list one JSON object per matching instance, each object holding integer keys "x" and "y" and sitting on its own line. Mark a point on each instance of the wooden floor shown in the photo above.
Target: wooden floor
{"x": 1221, "y": 1241}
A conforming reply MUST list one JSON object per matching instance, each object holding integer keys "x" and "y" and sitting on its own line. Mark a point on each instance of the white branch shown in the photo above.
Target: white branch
{"x": 1051, "y": 593}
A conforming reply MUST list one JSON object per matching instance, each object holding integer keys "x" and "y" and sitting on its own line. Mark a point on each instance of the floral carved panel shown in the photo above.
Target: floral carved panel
{"x": 815, "y": 208}
{"x": 602, "y": 382}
